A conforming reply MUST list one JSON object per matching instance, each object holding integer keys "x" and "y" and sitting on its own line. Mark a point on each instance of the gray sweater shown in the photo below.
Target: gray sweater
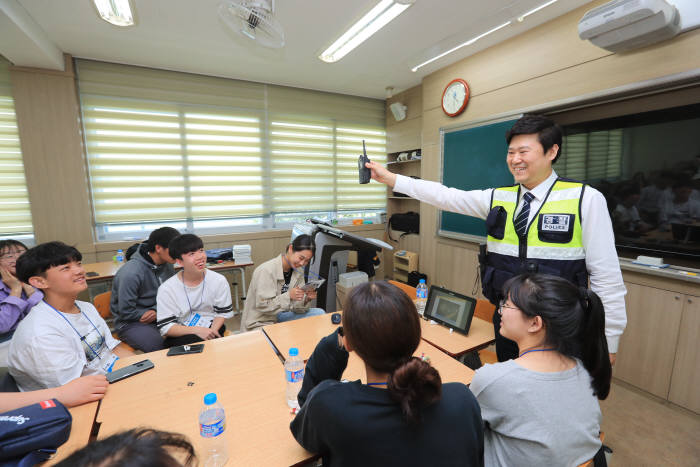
{"x": 533, "y": 419}
{"x": 135, "y": 287}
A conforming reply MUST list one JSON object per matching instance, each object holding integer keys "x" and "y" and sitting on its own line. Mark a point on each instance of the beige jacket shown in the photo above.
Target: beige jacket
{"x": 264, "y": 299}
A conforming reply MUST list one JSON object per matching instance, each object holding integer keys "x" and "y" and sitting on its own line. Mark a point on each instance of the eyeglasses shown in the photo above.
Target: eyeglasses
{"x": 14, "y": 255}
{"x": 503, "y": 305}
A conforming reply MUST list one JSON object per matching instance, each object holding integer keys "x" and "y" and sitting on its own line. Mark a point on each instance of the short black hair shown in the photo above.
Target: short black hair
{"x": 548, "y": 133}
{"x": 36, "y": 261}
{"x": 303, "y": 242}
{"x": 11, "y": 244}
{"x": 136, "y": 448}
{"x": 161, "y": 237}
{"x": 185, "y": 243}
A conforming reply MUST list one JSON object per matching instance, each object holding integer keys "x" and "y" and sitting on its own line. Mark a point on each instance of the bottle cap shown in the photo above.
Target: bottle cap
{"x": 210, "y": 398}
{"x": 293, "y": 352}
{"x": 422, "y": 281}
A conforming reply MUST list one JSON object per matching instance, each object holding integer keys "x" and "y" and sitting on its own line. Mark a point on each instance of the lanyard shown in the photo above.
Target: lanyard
{"x": 201, "y": 297}
{"x": 82, "y": 338}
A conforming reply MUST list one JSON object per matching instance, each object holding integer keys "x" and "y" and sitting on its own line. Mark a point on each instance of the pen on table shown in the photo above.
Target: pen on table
{"x": 687, "y": 273}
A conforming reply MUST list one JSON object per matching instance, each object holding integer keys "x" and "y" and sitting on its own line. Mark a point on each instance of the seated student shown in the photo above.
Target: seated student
{"x": 61, "y": 339}
{"x": 542, "y": 408}
{"x": 275, "y": 293}
{"x": 193, "y": 304}
{"x": 404, "y": 415}
{"x": 77, "y": 392}
{"x": 140, "y": 447}
{"x": 16, "y": 297}
{"x": 134, "y": 290}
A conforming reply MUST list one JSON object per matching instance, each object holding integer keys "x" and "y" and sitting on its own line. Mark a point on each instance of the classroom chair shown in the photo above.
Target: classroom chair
{"x": 101, "y": 302}
{"x": 410, "y": 291}
{"x": 485, "y": 310}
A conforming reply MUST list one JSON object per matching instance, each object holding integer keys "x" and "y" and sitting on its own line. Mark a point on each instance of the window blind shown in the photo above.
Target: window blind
{"x": 15, "y": 213}
{"x": 592, "y": 156}
{"x": 167, "y": 146}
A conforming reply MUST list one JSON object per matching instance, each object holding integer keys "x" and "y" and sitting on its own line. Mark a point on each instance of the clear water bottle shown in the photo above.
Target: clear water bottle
{"x": 421, "y": 296}
{"x": 119, "y": 257}
{"x": 212, "y": 424}
{"x": 294, "y": 374}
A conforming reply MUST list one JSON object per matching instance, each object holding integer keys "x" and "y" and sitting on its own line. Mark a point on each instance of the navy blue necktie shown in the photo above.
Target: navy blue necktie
{"x": 521, "y": 220}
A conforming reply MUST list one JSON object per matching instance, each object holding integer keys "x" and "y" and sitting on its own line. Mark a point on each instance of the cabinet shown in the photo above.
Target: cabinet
{"x": 404, "y": 262}
{"x": 658, "y": 350}
{"x": 398, "y": 204}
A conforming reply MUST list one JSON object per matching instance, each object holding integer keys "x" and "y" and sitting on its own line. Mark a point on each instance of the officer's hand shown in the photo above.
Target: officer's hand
{"x": 381, "y": 174}
{"x": 613, "y": 357}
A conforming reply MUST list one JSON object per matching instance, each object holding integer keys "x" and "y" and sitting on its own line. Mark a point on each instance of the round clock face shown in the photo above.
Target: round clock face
{"x": 455, "y": 97}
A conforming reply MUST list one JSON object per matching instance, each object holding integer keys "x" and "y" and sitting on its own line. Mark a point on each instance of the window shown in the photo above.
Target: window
{"x": 15, "y": 213}
{"x": 591, "y": 156}
{"x": 214, "y": 155}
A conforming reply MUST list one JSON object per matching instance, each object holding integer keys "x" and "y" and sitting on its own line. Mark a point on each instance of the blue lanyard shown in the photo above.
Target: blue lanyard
{"x": 201, "y": 297}
{"x": 535, "y": 350}
{"x": 82, "y": 338}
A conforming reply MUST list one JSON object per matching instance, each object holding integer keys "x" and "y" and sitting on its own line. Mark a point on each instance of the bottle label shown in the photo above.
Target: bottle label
{"x": 213, "y": 430}
{"x": 295, "y": 376}
{"x": 421, "y": 293}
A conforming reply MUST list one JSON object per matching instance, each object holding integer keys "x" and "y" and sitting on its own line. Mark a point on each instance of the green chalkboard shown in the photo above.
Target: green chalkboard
{"x": 473, "y": 158}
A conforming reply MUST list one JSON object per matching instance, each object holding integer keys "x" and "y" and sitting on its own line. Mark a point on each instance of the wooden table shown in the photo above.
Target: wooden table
{"x": 248, "y": 379}
{"x": 106, "y": 270}
{"x": 454, "y": 343}
{"x": 81, "y": 428}
{"x": 305, "y": 334}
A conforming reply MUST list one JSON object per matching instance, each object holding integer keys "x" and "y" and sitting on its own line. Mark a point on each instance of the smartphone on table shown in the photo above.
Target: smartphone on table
{"x": 131, "y": 370}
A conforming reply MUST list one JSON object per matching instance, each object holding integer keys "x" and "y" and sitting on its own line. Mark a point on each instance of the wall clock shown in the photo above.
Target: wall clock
{"x": 455, "y": 97}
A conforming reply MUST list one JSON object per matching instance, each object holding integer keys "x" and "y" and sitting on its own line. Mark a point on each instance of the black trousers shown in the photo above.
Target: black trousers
{"x": 506, "y": 349}
{"x": 187, "y": 339}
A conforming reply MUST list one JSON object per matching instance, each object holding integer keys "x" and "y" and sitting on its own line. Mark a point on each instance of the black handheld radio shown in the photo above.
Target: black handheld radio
{"x": 365, "y": 174}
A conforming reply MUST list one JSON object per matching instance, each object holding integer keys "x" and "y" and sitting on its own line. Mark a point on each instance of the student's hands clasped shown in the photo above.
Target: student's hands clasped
{"x": 205, "y": 333}
{"x": 148, "y": 316}
{"x": 15, "y": 285}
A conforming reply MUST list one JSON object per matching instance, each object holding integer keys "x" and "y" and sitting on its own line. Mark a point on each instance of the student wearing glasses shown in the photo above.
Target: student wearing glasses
{"x": 16, "y": 297}
{"x": 542, "y": 407}
{"x": 275, "y": 293}
{"x": 403, "y": 415}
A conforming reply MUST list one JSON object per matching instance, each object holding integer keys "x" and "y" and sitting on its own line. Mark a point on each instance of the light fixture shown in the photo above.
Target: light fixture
{"x": 373, "y": 21}
{"x": 116, "y": 12}
{"x": 464, "y": 44}
{"x": 535, "y": 10}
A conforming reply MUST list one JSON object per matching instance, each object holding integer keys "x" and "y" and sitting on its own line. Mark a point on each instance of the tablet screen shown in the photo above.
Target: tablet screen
{"x": 451, "y": 309}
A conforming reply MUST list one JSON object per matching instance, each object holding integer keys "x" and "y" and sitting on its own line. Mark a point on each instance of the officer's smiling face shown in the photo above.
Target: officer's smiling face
{"x": 528, "y": 162}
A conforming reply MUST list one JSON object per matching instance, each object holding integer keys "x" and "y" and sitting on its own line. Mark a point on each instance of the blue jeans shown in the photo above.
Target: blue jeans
{"x": 283, "y": 316}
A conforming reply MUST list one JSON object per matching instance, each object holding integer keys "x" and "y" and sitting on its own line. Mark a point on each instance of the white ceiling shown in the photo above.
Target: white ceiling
{"x": 187, "y": 35}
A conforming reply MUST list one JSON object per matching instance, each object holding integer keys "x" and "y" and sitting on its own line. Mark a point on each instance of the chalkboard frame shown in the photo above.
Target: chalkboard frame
{"x": 450, "y": 129}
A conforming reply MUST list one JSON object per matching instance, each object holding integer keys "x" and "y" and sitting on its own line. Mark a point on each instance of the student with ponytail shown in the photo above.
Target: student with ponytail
{"x": 404, "y": 415}
{"x": 542, "y": 408}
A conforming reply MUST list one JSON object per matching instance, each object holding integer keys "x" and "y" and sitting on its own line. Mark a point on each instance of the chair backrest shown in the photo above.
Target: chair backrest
{"x": 408, "y": 290}
{"x": 101, "y": 302}
{"x": 484, "y": 310}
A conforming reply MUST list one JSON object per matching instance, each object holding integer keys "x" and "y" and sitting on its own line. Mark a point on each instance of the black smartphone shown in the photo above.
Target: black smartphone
{"x": 131, "y": 370}
{"x": 185, "y": 349}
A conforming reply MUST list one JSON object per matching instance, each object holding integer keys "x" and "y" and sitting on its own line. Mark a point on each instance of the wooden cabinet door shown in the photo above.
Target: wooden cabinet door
{"x": 648, "y": 345}
{"x": 685, "y": 380}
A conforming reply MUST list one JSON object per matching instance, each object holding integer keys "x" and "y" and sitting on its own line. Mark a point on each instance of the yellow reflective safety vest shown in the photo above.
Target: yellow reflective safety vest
{"x": 552, "y": 243}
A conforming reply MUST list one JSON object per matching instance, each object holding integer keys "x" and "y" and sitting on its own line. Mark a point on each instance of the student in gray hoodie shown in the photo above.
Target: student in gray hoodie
{"x": 135, "y": 287}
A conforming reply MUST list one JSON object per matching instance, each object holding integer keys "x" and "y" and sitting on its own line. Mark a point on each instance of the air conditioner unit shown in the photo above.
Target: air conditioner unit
{"x": 627, "y": 24}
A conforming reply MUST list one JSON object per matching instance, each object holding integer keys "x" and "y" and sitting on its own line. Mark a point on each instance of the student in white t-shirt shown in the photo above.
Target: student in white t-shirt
{"x": 61, "y": 338}
{"x": 193, "y": 304}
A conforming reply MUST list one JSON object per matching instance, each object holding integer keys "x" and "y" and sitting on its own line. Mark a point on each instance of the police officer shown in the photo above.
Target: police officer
{"x": 543, "y": 223}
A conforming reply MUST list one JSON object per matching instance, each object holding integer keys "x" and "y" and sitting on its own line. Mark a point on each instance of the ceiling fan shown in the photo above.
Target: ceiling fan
{"x": 255, "y": 20}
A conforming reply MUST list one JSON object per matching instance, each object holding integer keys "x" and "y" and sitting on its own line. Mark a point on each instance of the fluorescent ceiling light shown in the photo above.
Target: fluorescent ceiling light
{"x": 377, "y": 18}
{"x": 116, "y": 12}
{"x": 535, "y": 10}
{"x": 464, "y": 44}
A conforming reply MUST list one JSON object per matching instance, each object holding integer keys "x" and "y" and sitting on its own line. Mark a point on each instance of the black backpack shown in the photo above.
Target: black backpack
{"x": 407, "y": 222}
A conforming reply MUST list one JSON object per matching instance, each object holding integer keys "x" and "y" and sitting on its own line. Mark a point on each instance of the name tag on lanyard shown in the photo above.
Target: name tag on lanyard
{"x": 194, "y": 320}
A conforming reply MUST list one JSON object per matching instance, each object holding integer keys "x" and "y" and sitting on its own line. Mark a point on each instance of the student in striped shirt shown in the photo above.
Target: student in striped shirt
{"x": 193, "y": 304}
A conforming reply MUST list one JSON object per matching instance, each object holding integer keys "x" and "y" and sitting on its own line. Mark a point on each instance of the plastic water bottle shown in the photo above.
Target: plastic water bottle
{"x": 294, "y": 374}
{"x": 421, "y": 296}
{"x": 119, "y": 257}
{"x": 212, "y": 424}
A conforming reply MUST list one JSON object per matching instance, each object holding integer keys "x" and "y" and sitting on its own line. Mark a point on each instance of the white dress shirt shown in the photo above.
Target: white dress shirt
{"x": 597, "y": 234}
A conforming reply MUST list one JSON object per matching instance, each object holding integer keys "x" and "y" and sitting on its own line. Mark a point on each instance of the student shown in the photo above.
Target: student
{"x": 16, "y": 297}
{"x": 77, "y": 392}
{"x": 141, "y": 447}
{"x": 193, "y": 304}
{"x": 404, "y": 415}
{"x": 61, "y": 339}
{"x": 275, "y": 292}
{"x": 543, "y": 223}
{"x": 542, "y": 408}
{"x": 134, "y": 290}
